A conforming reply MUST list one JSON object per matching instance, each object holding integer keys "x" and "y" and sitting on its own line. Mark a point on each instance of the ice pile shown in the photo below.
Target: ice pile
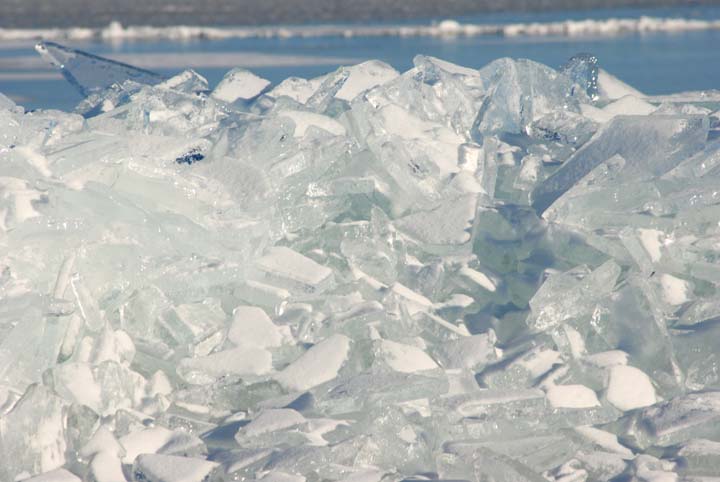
{"x": 504, "y": 274}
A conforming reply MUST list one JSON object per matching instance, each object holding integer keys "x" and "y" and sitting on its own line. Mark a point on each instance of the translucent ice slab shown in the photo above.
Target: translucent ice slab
{"x": 90, "y": 74}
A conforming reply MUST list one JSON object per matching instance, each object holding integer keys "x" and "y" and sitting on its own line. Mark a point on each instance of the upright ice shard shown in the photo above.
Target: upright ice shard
{"x": 583, "y": 70}
{"x": 520, "y": 91}
{"x": 89, "y": 73}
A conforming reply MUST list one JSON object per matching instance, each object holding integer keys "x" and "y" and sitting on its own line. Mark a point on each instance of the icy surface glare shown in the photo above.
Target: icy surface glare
{"x": 503, "y": 274}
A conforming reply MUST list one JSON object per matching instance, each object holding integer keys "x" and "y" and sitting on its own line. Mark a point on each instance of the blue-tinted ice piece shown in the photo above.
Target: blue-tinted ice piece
{"x": 89, "y": 73}
{"x": 582, "y": 69}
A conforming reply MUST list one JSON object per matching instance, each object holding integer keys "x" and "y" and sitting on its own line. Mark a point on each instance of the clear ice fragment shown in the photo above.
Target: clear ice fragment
{"x": 583, "y": 70}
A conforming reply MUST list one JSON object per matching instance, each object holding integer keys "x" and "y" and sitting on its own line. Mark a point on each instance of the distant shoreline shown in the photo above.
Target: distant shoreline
{"x": 99, "y": 13}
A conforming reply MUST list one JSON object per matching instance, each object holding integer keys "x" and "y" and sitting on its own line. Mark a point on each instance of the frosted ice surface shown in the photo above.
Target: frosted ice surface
{"x": 508, "y": 273}
{"x": 319, "y": 364}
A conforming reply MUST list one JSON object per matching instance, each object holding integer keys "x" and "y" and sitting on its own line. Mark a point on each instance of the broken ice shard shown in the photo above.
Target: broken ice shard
{"x": 90, "y": 73}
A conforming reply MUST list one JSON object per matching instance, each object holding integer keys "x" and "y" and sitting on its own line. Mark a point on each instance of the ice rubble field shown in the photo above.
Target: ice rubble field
{"x": 504, "y": 274}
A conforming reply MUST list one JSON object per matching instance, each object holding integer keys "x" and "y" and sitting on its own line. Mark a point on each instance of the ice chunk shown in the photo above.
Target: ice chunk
{"x": 169, "y": 468}
{"x": 518, "y": 92}
{"x": 630, "y": 388}
{"x": 450, "y": 224}
{"x": 700, "y": 457}
{"x": 59, "y": 475}
{"x": 105, "y": 388}
{"x": 188, "y": 81}
{"x": 272, "y": 420}
{"x": 550, "y": 308}
{"x": 296, "y": 88}
{"x": 144, "y": 441}
{"x": 675, "y": 290}
{"x": 90, "y": 74}
{"x": 605, "y": 440}
{"x": 102, "y": 441}
{"x": 365, "y": 76}
{"x": 628, "y": 105}
{"x": 405, "y": 358}
{"x": 489, "y": 465}
{"x": 253, "y": 328}
{"x": 468, "y": 352}
{"x": 695, "y": 415}
{"x": 234, "y": 361}
{"x": 572, "y": 396}
{"x": 277, "y": 476}
{"x": 294, "y": 270}
{"x": 33, "y": 434}
{"x": 239, "y": 84}
{"x": 440, "y": 143}
{"x": 319, "y": 364}
{"x": 106, "y": 467}
{"x": 305, "y": 120}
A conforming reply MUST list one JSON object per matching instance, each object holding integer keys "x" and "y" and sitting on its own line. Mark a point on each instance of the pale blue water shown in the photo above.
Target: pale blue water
{"x": 657, "y": 63}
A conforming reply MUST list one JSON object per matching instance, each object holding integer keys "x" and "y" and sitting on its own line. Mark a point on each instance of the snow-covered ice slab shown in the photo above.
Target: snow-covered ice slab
{"x": 508, "y": 273}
